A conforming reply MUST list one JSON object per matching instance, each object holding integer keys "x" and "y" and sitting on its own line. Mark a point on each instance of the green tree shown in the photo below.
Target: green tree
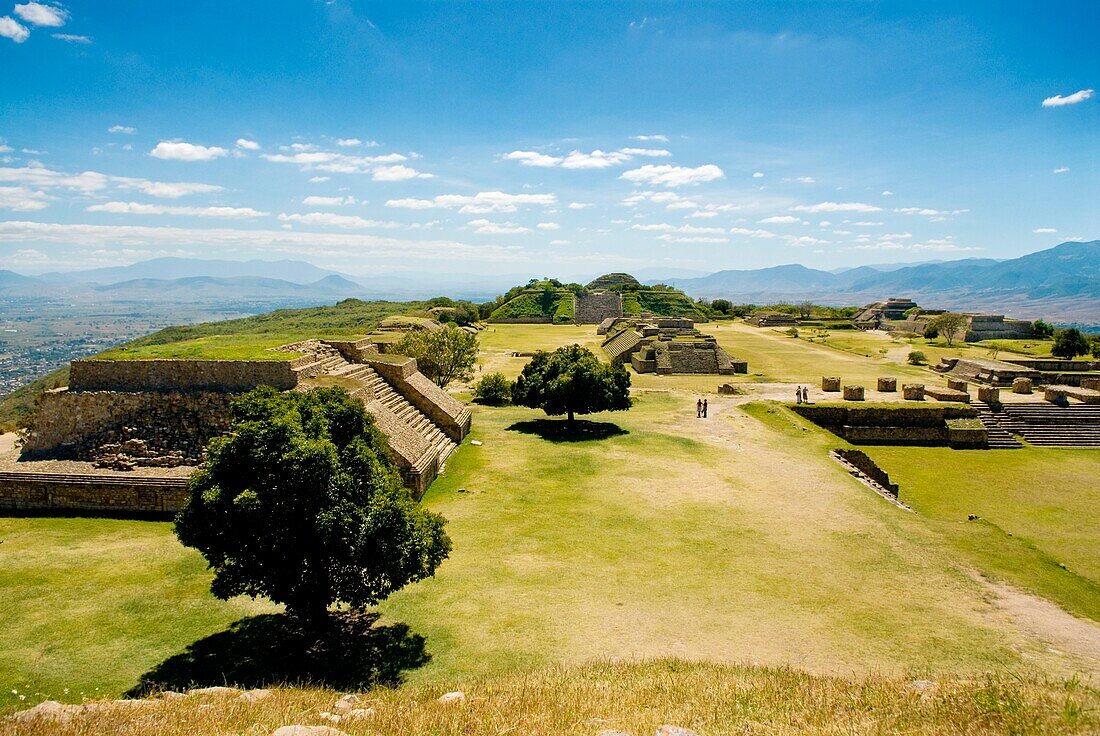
{"x": 722, "y": 306}
{"x": 1069, "y": 344}
{"x": 301, "y": 503}
{"x": 951, "y": 325}
{"x": 571, "y": 380}
{"x": 442, "y": 355}
{"x": 1042, "y": 329}
{"x": 494, "y": 389}
{"x": 805, "y": 309}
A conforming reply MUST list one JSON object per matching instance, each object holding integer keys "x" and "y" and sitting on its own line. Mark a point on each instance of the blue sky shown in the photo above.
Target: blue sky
{"x": 560, "y": 139}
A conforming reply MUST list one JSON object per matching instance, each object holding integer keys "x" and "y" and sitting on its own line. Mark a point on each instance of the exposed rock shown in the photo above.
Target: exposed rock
{"x": 346, "y": 703}
{"x": 307, "y": 731}
{"x": 667, "y": 730}
{"x": 252, "y": 696}
{"x": 358, "y": 713}
{"x": 453, "y": 697}
{"x": 172, "y": 695}
{"x": 215, "y": 690}
{"x": 49, "y": 710}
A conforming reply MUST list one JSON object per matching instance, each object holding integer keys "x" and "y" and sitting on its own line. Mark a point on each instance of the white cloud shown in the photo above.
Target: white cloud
{"x": 1056, "y": 100}
{"x": 247, "y": 144}
{"x": 689, "y": 229}
{"x": 93, "y": 182}
{"x": 762, "y": 234}
{"x": 138, "y": 208}
{"x": 548, "y": 226}
{"x": 673, "y": 176}
{"x": 927, "y": 212}
{"x": 183, "y": 151}
{"x": 781, "y": 220}
{"x": 801, "y": 240}
{"x": 806, "y": 180}
{"x": 1044, "y": 230}
{"x": 559, "y": 242}
{"x": 896, "y": 236}
{"x": 331, "y": 219}
{"x": 700, "y": 214}
{"x": 124, "y": 129}
{"x": 349, "y": 142}
{"x": 346, "y": 247}
{"x": 692, "y": 239}
{"x": 758, "y": 175}
{"x": 314, "y": 201}
{"x": 579, "y": 205}
{"x": 532, "y": 158}
{"x": 836, "y": 207}
{"x": 1060, "y": 170}
{"x": 37, "y": 14}
{"x": 596, "y": 159}
{"x": 658, "y": 138}
{"x": 22, "y": 199}
{"x": 866, "y": 223}
{"x": 11, "y": 28}
{"x": 480, "y": 203}
{"x": 71, "y": 38}
{"x": 498, "y": 228}
{"x": 888, "y": 193}
{"x": 397, "y": 173}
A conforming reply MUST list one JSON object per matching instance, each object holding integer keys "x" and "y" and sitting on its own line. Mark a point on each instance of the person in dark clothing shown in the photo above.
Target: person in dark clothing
{"x": 704, "y": 408}
{"x": 698, "y": 408}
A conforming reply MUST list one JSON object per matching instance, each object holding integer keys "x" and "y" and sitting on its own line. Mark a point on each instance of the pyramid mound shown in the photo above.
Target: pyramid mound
{"x": 614, "y": 280}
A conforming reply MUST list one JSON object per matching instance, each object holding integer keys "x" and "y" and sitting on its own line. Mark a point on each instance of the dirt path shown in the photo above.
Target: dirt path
{"x": 1062, "y": 633}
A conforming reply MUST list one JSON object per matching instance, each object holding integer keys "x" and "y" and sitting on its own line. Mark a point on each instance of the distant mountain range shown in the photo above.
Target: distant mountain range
{"x": 1060, "y": 284}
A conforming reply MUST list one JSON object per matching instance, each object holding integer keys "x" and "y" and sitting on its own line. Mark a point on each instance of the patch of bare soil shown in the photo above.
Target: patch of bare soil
{"x": 1061, "y": 632}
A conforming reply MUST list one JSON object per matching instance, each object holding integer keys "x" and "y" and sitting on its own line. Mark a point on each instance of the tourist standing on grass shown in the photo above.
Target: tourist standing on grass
{"x": 805, "y": 394}
{"x": 704, "y": 408}
{"x": 798, "y": 394}
{"x": 698, "y": 408}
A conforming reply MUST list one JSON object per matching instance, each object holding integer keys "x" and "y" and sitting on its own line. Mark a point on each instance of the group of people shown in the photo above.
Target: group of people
{"x": 802, "y": 394}
{"x": 701, "y": 409}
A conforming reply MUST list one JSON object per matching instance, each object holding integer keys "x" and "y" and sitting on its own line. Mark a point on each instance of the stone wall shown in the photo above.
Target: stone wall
{"x": 180, "y": 375}
{"x": 69, "y": 422}
{"x": 50, "y": 493}
{"x": 867, "y": 466}
{"x": 592, "y": 308}
{"x": 904, "y": 425}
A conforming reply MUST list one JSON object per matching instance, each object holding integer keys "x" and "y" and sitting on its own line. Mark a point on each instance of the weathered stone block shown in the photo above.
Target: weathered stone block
{"x": 830, "y": 383}
{"x": 1021, "y": 386}
{"x": 1091, "y": 383}
{"x": 887, "y": 384}
{"x": 956, "y": 384}
{"x": 853, "y": 393}
{"x": 989, "y": 395}
{"x": 913, "y": 391}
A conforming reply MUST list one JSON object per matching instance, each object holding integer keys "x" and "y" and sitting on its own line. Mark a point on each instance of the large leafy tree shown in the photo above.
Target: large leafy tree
{"x": 301, "y": 503}
{"x": 571, "y": 380}
{"x": 1069, "y": 344}
{"x": 442, "y": 355}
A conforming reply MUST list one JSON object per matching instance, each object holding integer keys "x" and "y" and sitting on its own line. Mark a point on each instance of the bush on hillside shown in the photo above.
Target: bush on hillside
{"x": 916, "y": 357}
{"x": 1069, "y": 344}
{"x": 300, "y": 503}
{"x": 494, "y": 389}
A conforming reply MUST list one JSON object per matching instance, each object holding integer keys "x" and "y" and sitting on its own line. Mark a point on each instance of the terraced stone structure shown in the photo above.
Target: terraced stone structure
{"x": 123, "y": 415}
{"x": 773, "y": 319}
{"x": 668, "y": 345}
{"x": 593, "y": 307}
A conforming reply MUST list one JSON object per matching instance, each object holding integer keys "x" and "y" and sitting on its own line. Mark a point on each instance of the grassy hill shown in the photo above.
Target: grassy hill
{"x": 552, "y": 301}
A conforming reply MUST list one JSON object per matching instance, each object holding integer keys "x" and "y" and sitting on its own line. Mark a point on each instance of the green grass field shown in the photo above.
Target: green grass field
{"x": 734, "y": 539}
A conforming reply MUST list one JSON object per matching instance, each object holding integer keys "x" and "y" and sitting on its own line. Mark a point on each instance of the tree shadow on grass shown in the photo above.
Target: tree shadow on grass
{"x": 353, "y": 653}
{"x": 560, "y": 430}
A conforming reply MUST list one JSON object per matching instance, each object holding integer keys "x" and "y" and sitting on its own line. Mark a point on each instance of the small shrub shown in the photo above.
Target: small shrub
{"x": 916, "y": 357}
{"x": 494, "y": 389}
{"x": 793, "y": 332}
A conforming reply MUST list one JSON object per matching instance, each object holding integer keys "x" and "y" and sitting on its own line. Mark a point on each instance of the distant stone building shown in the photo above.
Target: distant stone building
{"x": 996, "y": 327}
{"x": 593, "y": 307}
{"x": 893, "y": 309}
{"x": 667, "y": 345}
{"x": 773, "y": 319}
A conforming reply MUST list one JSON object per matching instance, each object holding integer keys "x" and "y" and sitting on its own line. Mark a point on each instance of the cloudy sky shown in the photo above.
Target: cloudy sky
{"x": 545, "y": 138}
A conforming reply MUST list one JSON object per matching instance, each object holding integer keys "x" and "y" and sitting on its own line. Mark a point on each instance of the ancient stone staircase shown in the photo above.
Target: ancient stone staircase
{"x": 997, "y": 436}
{"x": 420, "y": 446}
{"x": 1046, "y": 425}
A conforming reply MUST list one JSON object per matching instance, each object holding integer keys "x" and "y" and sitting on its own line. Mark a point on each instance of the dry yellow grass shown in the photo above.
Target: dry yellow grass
{"x": 635, "y": 698}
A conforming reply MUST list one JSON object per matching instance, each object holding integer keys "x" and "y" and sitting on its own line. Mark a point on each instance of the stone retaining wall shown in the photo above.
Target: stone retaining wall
{"x": 450, "y": 414}
{"x": 867, "y": 466}
{"x": 32, "y": 493}
{"x": 180, "y": 375}
{"x": 65, "y": 420}
{"x": 594, "y": 307}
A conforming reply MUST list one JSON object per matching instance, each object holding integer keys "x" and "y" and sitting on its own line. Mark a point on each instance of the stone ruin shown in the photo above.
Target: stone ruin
{"x": 593, "y": 307}
{"x": 773, "y": 319}
{"x": 873, "y": 315}
{"x": 128, "y": 414}
{"x": 666, "y": 345}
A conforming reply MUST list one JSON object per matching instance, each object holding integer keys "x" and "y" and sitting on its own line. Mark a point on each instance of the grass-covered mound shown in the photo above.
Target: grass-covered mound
{"x": 552, "y": 301}
{"x": 662, "y": 303}
{"x": 633, "y": 698}
{"x": 550, "y": 305}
